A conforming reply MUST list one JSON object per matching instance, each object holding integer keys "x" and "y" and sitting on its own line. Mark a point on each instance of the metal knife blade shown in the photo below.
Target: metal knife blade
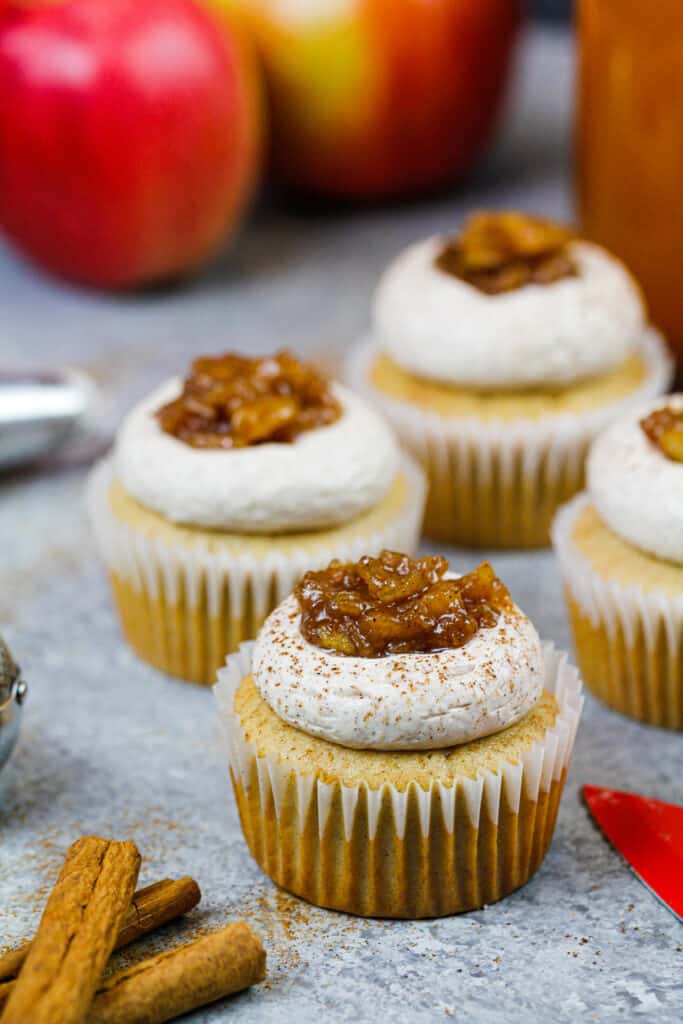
{"x": 38, "y": 410}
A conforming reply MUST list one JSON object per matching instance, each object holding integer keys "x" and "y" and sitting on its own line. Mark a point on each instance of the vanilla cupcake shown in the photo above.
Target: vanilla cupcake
{"x": 223, "y": 489}
{"x": 498, "y": 355}
{"x": 398, "y": 739}
{"x": 620, "y": 547}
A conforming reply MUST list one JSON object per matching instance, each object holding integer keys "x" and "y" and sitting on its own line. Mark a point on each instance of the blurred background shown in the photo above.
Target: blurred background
{"x": 141, "y": 205}
{"x": 183, "y": 176}
{"x": 189, "y": 176}
{"x": 559, "y": 9}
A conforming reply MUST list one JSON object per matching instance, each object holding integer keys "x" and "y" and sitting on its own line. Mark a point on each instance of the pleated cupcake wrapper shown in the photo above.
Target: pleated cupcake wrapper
{"x": 159, "y": 585}
{"x": 149, "y": 563}
{"x": 544, "y": 763}
{"x": 633, "y": 657}
{"x": 498, "y": 483}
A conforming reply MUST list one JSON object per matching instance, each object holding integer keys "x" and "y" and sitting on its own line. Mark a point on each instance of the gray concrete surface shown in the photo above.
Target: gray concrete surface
{"x": 110, "y": 746}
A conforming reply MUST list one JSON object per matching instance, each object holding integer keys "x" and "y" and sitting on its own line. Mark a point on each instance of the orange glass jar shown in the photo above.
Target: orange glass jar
{"x": 630, "y": 144}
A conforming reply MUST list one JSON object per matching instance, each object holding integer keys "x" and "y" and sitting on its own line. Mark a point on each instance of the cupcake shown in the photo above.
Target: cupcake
{"x": 398, "y": 738}
{"x": 620, "y": 548}
{"x": 224, "y": 489}
{"x": 498, "y": 355}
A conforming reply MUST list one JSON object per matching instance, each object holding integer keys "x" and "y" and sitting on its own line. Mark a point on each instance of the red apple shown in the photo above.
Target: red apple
{"x": 129, "y": 136}
{"x": 373, "y": 98}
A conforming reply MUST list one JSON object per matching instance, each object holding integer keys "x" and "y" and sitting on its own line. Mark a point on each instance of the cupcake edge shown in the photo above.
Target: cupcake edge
{"x": 523, "y": 469}
{"x": 627, "y": 639}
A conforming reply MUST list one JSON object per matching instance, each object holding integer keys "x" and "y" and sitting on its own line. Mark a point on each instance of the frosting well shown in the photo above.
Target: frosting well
{"x": 325, "y": 476}
{"x": 439, "y": 327}
{"x": 500, "y": 252}
{"x": 234, "y": 401}
{"x": 408, "y": 701}
{"x": 393, "y": 604}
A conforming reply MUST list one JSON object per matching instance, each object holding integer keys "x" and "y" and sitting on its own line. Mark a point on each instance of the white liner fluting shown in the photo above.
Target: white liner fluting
{"x": 249, "y": 566}
{"x": 499, "y": 482}
{"x": 629, "y": 639}
{"x": 188, "y": 596}
{"x": 619, "y": 606}
{"x": 534, "y": 434}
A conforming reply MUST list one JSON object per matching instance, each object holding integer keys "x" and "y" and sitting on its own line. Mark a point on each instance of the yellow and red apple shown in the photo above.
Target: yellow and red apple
{"x": 373, "y": 98}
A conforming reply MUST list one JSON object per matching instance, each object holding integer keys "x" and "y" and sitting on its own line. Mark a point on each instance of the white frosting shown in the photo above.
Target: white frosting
{"x": 325, "y": 477}
{"x": 636, "y": 488}
{"x": 438, "y": 327}
{"x": 400, "y": 701}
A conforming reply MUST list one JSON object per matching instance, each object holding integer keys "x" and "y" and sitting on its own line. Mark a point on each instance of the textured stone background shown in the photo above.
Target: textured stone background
{"x": 110, "y": 746}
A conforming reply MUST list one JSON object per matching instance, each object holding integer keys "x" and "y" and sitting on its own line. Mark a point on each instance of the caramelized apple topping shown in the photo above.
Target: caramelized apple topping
{"x": 664, "y": 427}
{"x": 231, "y": 401}
{"x": 394, "y": 604}
{"x": 499, "y": 252}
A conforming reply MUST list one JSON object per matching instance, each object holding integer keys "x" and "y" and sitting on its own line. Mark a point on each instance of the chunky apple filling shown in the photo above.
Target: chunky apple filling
{"x": 231, "y": 401}
{"x": 664, "y": 427}
{"x": 394, "y": 604}
{"x": 500, "y": 252}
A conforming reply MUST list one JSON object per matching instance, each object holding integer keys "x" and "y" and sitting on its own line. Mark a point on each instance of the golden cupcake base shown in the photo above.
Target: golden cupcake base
{"x": 398, "y": 834}
{"x": 626, "y": 613}
{"x": 508, "y": 505}
{"x": 187, "y": 597}
{"x": 500, "y": 464}
{"x": 640, "y": 676}
{"x": 182, "y": 639}
{"x": 408, "y": 876}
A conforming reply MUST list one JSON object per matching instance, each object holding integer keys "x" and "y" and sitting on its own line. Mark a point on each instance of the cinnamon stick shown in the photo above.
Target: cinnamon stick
{"x": 183, "y": 979}
{"x": 10, "y": 963}
{"x": 77, "y": 932}
{"x": 157, "y": 904}
{"x": 152, "y": 906}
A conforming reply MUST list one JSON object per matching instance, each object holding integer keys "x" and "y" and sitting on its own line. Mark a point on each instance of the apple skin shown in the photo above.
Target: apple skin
{"x": 130, "y": 136}
{"x": 379, "y": 98}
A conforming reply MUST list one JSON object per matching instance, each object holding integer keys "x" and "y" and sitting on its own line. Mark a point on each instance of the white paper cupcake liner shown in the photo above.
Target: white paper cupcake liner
{"x": 498, "y": 483}
{"x": 225, "y": 588}
{"x": 629, "y": 640}
{"x": 496, "y": 804}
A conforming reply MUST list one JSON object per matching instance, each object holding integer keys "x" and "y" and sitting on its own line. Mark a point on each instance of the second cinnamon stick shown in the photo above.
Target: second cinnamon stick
{"x": 174, "y": 983}
{"x": 157, "y": 904}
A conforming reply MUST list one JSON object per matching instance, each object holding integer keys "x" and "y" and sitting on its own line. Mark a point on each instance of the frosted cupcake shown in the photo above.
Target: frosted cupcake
{"x": 498, "y": 355}
{"x": 399, "y": 739}
{"x": 620, "y": 548}
{"x": 223, "y": 489}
